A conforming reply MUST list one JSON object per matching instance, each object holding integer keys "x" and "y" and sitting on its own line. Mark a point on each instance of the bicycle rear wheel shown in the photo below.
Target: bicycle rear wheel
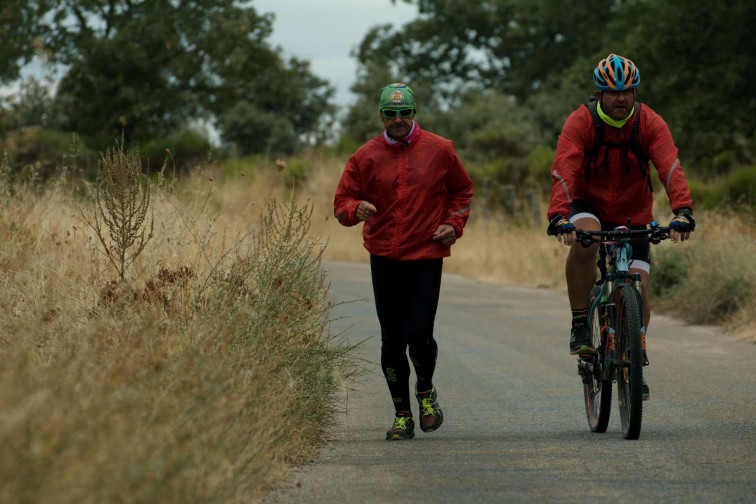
{"x": 628, "y": 325}
{"x": 596, "y": 392}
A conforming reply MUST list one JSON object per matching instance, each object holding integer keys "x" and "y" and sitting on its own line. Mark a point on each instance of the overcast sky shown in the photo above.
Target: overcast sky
{"x": 324, "y": 32}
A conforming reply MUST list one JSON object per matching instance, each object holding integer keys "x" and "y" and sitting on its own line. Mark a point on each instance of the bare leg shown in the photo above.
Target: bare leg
{"x": 580, "y": 268}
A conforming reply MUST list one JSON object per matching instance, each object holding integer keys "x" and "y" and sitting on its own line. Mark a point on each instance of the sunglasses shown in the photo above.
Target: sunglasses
{"x": 391, "y": 113}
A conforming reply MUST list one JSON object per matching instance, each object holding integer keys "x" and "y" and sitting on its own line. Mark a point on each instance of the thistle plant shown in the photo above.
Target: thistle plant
{"x": 122, "y": 219}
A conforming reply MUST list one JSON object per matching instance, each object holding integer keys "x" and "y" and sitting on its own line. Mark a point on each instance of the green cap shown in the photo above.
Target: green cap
{"x": 397, "y": 94}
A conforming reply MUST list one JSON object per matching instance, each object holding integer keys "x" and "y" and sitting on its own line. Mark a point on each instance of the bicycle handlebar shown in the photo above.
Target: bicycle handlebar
{"x": 653, "y": 235}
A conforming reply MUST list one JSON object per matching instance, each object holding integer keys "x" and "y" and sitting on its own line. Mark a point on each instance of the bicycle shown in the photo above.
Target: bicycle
{"x": 615, "y": 319}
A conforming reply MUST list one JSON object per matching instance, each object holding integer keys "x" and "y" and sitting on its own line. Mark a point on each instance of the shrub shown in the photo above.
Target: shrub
{"x": 736, "y": 190}
{"x": 34, "y": 156}
{"x": 707, "y": 283}
{"x": 539, "y": 163}
{"x": 670, "y": 267}
{"x": 248, "y": 165}
{"x": 188, "y": 149}
{"x": 296, "y": 171}
{"x": 740, "y": 186}
{"x": 706, "y": 195}
{"x": 253, "y": 130}
{"x": 723, "y": 162}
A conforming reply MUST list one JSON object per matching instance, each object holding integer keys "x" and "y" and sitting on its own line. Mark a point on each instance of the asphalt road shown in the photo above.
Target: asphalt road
{"x": 514, "y": 422}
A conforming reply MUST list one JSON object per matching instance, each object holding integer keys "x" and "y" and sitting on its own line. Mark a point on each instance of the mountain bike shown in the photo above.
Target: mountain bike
{"x": 615, "y": 318}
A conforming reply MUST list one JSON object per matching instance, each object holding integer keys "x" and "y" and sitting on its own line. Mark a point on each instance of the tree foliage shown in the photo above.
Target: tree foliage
{"x": 508, "y": 45}
{"x": 147, "y": 67}
{"x": 699, "y": 60}
{"x": 696, "y": 58}
{"x": 20, "y": 35}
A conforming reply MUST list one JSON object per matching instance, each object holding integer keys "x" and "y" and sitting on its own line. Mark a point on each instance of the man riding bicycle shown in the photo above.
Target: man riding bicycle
{"x": 601, "y": 178}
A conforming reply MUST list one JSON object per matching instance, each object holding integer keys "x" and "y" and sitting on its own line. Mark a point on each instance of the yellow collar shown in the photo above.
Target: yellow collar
{"x": 613, "y": 122}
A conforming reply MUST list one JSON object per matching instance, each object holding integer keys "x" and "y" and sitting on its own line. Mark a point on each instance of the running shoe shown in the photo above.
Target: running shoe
{"x": 581, "y": 341}
{"x": 431, "y": 416}
{"x": 403, "y": 428}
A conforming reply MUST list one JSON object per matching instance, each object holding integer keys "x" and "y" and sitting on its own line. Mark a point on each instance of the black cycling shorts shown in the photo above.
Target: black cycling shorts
{"x": 641, "y": 256}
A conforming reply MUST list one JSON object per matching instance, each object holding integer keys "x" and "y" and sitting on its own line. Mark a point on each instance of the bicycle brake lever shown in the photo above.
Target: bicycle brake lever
{"x": 585, "y": 239}
{"x": 658, "y": 235}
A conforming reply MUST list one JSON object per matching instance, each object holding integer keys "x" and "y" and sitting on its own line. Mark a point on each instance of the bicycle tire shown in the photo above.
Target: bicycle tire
{"x": 597, "y": 393}
{"x": 628, "y": 323}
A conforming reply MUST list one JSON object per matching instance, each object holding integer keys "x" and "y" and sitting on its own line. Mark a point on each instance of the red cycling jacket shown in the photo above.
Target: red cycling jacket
{"x": 415, "y": 186}
{"x": 618, "y": 189}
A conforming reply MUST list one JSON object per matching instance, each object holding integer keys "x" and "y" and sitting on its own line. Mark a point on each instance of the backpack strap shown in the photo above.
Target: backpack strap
{"x": 635, "y": 146}
{"x": 598, "y": 128}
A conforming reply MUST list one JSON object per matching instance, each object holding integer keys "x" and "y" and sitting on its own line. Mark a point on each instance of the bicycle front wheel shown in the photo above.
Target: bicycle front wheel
{"x": 597, "y": 392}
{"x": 628, "y": 323}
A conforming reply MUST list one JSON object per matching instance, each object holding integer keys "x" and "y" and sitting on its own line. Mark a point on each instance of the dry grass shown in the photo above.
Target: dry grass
{"x": 194, "y": 380}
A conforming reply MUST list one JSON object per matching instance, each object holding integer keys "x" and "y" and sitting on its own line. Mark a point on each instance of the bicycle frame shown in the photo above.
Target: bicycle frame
{"x": 618, "y": 270}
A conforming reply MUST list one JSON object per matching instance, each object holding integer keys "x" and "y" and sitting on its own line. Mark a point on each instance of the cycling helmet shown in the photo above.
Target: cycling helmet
{"x": 615, "y": 73}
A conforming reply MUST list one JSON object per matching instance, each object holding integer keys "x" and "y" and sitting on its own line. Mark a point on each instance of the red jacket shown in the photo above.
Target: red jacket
{"x": 415, "y": 188}
{"x": 618, "y": 190}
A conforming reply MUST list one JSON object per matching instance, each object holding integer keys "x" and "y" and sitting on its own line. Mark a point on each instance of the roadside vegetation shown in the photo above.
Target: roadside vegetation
{"x": 191, "y": 371}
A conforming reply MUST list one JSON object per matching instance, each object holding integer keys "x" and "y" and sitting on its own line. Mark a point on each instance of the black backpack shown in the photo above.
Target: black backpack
{"x": 591, "y": 158}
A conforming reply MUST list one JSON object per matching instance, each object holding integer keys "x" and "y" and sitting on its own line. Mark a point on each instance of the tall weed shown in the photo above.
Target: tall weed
{"x": 121, "y": 217}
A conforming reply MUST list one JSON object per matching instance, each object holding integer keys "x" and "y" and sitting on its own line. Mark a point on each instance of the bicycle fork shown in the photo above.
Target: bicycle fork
{"x": 596, "y": 363}
{"x": 612, "y": 361}
{"x": 609, "y": 353}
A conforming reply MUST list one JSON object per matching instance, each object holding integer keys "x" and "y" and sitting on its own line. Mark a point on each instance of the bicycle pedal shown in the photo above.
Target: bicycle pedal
{"x": 584, "y": 366}
{"x": 585, "y": 372}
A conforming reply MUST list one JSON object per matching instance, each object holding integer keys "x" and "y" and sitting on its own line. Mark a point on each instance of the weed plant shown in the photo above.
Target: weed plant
{"x": 121, "y": 217}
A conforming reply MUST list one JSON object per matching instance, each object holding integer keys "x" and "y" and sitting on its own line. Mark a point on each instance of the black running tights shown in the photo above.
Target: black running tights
{"x": 406, "y": 297}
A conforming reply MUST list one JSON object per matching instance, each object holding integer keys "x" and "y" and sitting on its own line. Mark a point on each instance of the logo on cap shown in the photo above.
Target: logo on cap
{"x": 397, "y": 97}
